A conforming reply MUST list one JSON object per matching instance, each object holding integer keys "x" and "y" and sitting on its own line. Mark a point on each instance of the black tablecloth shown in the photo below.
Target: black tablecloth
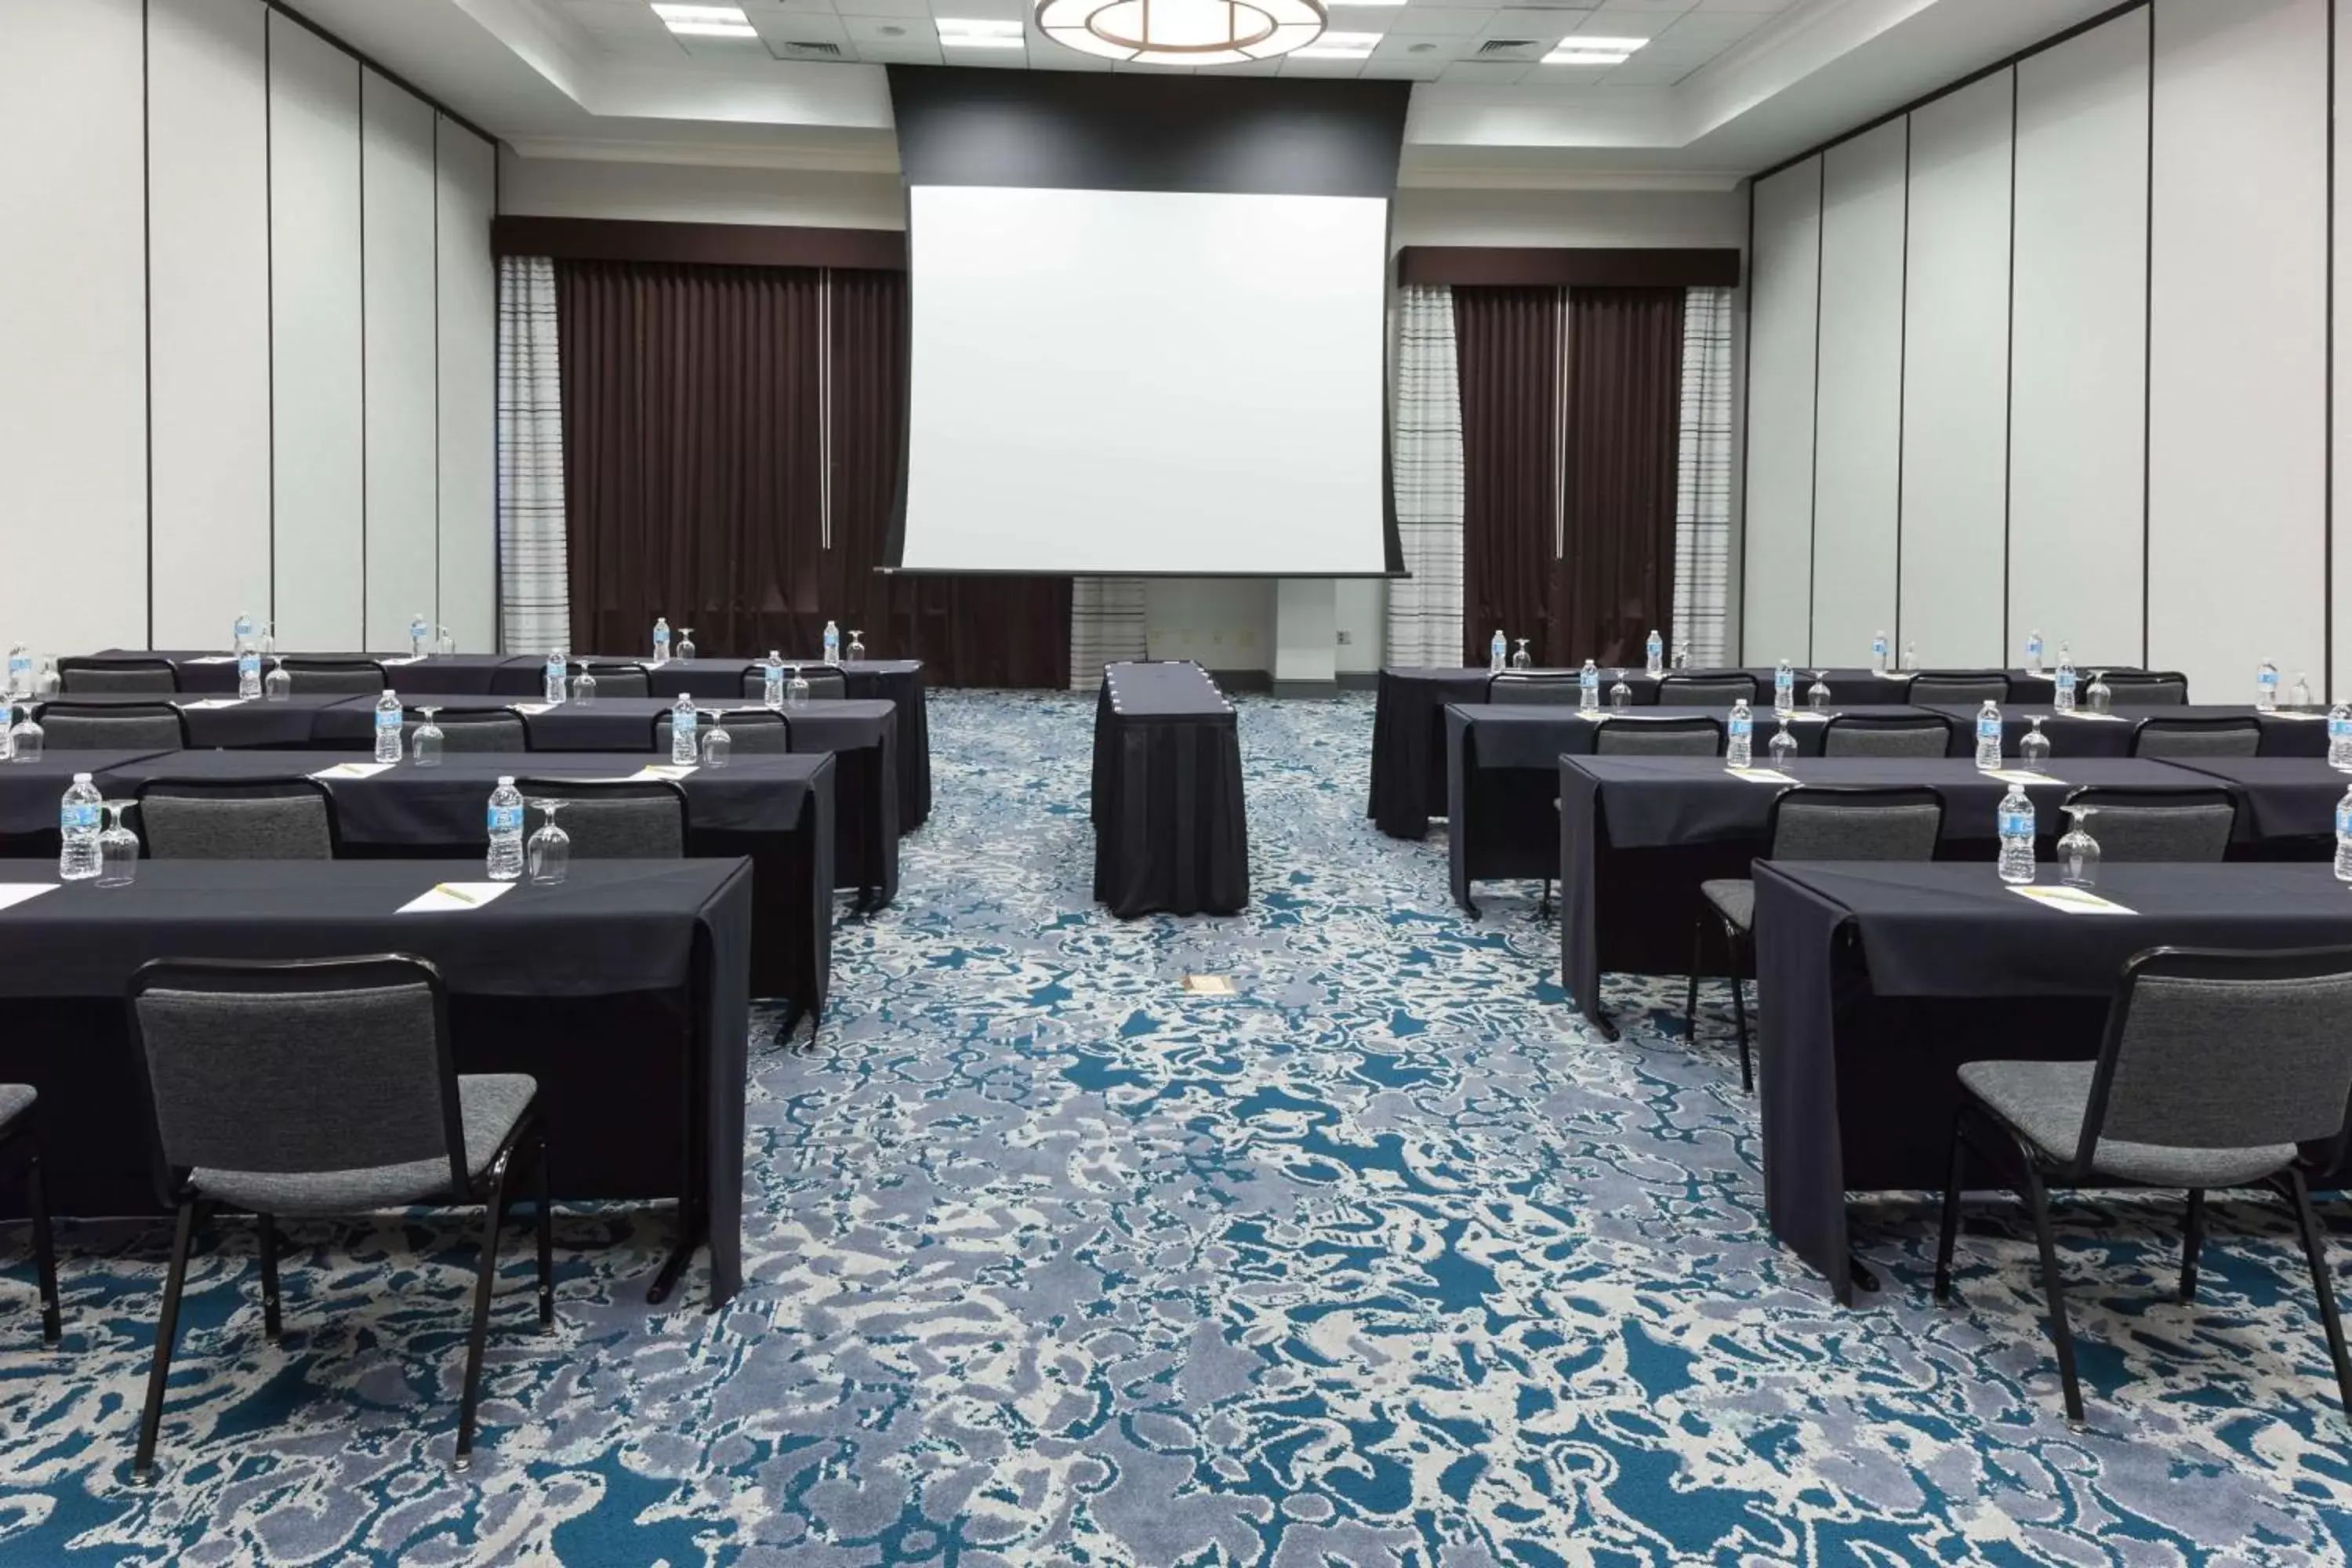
{"x": 1170, "y": 832}
{"x": 1409, "y": 744}
{"x": 2074, "y": 735}
{"x": 622, "y": 991}
{"x": 30, "y": 794}
{"x": 2280, "y": 799}
{"x": 1876, "y": 982}
{"x": 1638, "y": 834}
{"x": 291, "y": 723}
{"x": 209, "y": 671}
{"x": 775, "y": 812}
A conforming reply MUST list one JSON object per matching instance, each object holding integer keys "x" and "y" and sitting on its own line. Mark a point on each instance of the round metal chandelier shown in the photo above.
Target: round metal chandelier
{"x": 1184, "y": 32}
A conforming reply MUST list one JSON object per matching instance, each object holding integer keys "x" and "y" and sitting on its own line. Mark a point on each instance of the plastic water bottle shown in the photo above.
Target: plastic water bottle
{"x": 682, "y": 744}
{"x": 2033, "y": 652}
{"x": 553, "y": 689}
{"x": 1656, "y": 649}
{"x": 248, "y": 673}
{"x": 2016, "y": 819}
{"x": 1784, "y": 746}
{"x": 240, "y": 634}
{"x": 2063, "y": 700}
{"x": 387, "y": 727}
{"x": 1588, "y": 688}
{"x": 772, "y": 680}
{"x": 661, "y": 639}
{"x": 832, "y": 643}
{"x": 504, "y": 864}
{"x": 78, "y": 861}
{"x": 2266, "y": 687}
{"x": 1739, "y": 747}
{"x": 420, "y": 631}
{"x": 1784, "y": 689}
{"x": 20, "y": 671}
{"x": 2343, "y": 835}
{"x": 1988, "y": 737}
{"x": 1497, "y": 651}
{"x": 1878, "y": 652}
{"x": 2340, "y": 738}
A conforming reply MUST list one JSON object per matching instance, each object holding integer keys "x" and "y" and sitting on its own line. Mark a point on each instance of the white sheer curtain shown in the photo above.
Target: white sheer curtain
{"x": 1425, "y": 607}
{"x": 1106, "y": 626}
{"x": 1702, "y": 491}
{"x": 534, "y": 594}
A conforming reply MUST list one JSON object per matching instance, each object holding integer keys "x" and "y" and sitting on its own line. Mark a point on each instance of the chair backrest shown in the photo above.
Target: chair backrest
{"x": 296, "y": 1067}
{"x": 1959, "y": 686}
{"x": 634, "y": 819}
{"x": 1814, "y": 822}
{"x": 336, "y": 677}
{"x": 751, "y": 731}
{"x": 1624, "y": 737}
{"x": 2156, "y": 821}
{"x": 1706, "y": 691}
{"x": 476, "y": 729}
{"x": 2196, "y": 738}
{"x": 1887, "y": 735}
{"x": 97, "y": 727}
{"x": 1539, "y": 690}
{"x": 97, "y": 677}
{"x": 2145, "y": 689}
{"x": 289, "y": 818}
{"x": 621, "y": 679}
{"x": 2209, "y": 1049}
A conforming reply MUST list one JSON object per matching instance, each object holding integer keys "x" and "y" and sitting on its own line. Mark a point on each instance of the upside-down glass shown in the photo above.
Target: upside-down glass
{"x": 2034, "y": 747}
{"x": 47, "y": 682}
{"x": 445, "y": 643}
{"x": 685, "y": 648}
{"x": 2100, "y": 699}
{"x": 118, "y": 847}
{"x": 718, "y": 745}
{"x": 796, "y": 689}
{"x": 2078, "y": 852}
{"x": 425, "y": 741}
{"x": 1520, "y": 661}
{"x": 277, "y": 686}
{"x": 24, "y": 737}
{"x": 1817, "y": 695}
{"x": 856, "y": 646}
{"x": 584, "y": 686}
{"x": 1621, "y": 696}
{"x": 548, "y": 856}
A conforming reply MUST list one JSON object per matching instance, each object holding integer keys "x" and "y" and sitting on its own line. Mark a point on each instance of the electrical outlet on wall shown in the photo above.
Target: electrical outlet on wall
{"x": 1346, "y": 636}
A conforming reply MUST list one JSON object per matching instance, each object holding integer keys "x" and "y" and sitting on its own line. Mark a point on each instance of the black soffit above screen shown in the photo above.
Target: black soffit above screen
{"x": 1099, "y": 132}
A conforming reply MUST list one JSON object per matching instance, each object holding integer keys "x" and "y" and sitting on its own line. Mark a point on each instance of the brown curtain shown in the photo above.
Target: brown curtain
{"x": 691, "y": 452}
{"x": 1609, "y": 419}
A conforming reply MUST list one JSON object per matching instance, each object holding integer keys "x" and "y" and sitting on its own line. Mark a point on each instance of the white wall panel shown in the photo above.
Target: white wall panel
{"x": 467, "y": 323}
{"x": 399, "y": 206}
{"x": 2339, "y": 682}
{"x": 1954, "y": 379}
{"x": 2237, "y": 369}
{"x": 1784, "y": 283}
{"x": 2078, "y": 388}
{"x": 73, "y": 308}
{"x": 1858, "y": 461}
{"x": 208, "y": 278}
{"x": 315, "y": 322}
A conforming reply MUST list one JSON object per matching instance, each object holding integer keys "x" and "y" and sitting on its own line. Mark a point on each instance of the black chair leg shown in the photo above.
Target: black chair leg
{"x": 546, "y": 1245}
{"x": 1543, "y": 909}
{"x": 1950, "y": 1231}
{"x": 2314, "y": 1249}
{"x": 272, "y": 1325}
{"x": 1690, "y": 995}
{"x": 2192, "y": 1243}
{"x": 1739, "y": 1008}
{"x": 2054, "y": 1286}
{"x": 477, "y": 1336}
{"x": 45, "y": 1251}
{"x": 167, "y": 1330}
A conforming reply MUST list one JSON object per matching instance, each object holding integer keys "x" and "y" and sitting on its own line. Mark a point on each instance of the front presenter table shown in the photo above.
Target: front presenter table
{"x": 623, "y": 992}
{"x": 1170, "y": 836}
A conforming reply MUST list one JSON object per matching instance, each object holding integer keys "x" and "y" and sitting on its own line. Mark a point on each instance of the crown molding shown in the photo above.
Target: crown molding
{"x": 813, "y": 160}
{"x": 1523, "y": 179}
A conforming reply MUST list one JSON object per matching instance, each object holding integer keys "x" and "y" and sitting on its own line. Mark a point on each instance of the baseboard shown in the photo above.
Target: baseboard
{"x": 1359, "y": 680}
{"x": 1230, "y": 680}
{"x": 1306, "y": 689}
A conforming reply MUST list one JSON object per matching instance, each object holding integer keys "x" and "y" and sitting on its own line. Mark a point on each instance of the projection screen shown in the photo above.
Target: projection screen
{"x": 1145, "y": 382}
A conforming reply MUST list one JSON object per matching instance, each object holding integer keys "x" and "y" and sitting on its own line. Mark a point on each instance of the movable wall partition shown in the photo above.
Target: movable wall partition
{"x": 2052, "y": 351}
{"x": 247, "y": 322}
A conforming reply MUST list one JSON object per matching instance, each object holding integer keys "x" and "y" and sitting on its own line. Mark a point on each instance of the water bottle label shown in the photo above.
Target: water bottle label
{"x": 684, "y": 724}
{"x": 2017, "y": 825}
{"x": 2066, "y": 681}
{"x": 247, "y": 664}
{"x": 77, "y": 819}
{"x": 2339, "y": 728}
{"x": 1878, "y": 645}
{"x": 1988, "y": 730}
{"x": 1741, "y": 729}
{"x": 506, "y": 819}
{"x": 387, "y": 719}
{"x": 2342, "y": 820}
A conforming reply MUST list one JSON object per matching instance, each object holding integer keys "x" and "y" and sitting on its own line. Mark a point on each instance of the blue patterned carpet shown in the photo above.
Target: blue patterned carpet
{"x": 1383, "y": 1262}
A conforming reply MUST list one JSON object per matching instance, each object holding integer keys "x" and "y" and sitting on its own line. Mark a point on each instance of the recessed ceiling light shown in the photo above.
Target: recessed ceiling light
{"x": 706, "y": 21}
{"x": 964, "y": 33}
{"x": 1347, "y": 43}
{"x": 1584, "y": 58}
{"x": 1603, "y": 45}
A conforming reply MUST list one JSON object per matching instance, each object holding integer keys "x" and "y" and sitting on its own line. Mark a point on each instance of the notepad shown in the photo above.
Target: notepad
{"x": 1893, "y": 674}
{"x": 351, "y": 771}
{"x": 2096, "y": 718}
{"x": 211, "y": 659}
{"x": 2304, "y": 717}
{"x": 1759, "y": 775}
{"x": 2020, "y": 776}
{"x": 672, "y": 771}
{"x": 532, "y": 709}
{"x": 1806, "y": 716}
{"x": 449, "y": 898}
{"x": 15, "y": 893}
{"x": 2072, "y": 901}
{"x": 412, "y": 659}
{"x": 215, "y": 702}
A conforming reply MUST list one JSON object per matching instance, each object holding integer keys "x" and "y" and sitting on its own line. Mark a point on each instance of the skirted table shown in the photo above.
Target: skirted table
{"x": 212, "y": 673}
{"x": 1170, "y": 832}
{"x": 2084, "y": 734}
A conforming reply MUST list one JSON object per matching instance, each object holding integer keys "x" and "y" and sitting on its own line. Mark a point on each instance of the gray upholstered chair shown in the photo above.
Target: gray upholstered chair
{"x": 752, "y": 731}
{"x": 112, "y": 726}
{"x": 231, "y": 1058}
{"x": 2158, "y": 822}
{"x": 2217, "y": 1070}
{"x": 2170, "y": 738}
{"x": 117, "y": 676}
{"x": 472, "y": 729}
{"x": 20, "y": 1151}
{"x": 1717, "y": 690}
{"x": 617, "y": 819}
{"x": 333, "y": 676}
{"x": 1970, "y": 686}
{"x": 289, "y": 818}
{"x": 1810, "y": 823}
{"x": 1887, "y": 735}
{"x": 825, "y": 683}
{"x": 1624, "y": 736}
{"x": 1546, "y": 690}
{"x": 620, "y": 678}
{"x": 2145, "y": 689}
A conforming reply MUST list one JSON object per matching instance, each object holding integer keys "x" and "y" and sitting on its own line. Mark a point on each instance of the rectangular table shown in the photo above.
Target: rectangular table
{"x": 290, "y": 723}
{"x": 1876, "y": 982}
{"x": 30, "y": 794}
{"x": 2077, "y": 735}
{"x": 622, "y": 992}
{"x": 1638, "y": 834}
{"x": 2286, "y": 804}
{"x": 774, "y": 811}
{"x": 213, "y": 672}
{"x": 1171, "y": 829}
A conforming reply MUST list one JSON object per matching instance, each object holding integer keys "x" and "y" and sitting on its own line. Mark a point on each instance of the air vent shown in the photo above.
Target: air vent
{"x": 1507, "y": 48}
{"x": 794, "y": 50}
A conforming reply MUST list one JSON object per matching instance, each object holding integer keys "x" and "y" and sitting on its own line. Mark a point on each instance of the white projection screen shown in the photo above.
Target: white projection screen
{"x": 1145, "y": 382}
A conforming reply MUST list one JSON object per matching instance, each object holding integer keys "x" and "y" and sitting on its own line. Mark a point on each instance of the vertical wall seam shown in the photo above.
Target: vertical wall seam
{"x": 269, "y": 282}
{"x": 147, "y": 280}
{"x": 1746, "y": 407}
{"x": 1902, "y": 374}
{"x": 2009, "y": 384}
{"x": 1813, "y": 485}
{"x": 2147, "y": 374}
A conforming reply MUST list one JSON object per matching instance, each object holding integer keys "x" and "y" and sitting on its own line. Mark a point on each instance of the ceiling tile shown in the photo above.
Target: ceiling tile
{"x": 893, "y": 32}
{"x": 1489, "y": 73}
{"x": 1439, "y": 21}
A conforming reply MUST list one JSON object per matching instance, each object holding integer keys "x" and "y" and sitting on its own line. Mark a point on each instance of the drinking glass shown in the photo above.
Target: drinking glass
{"x": 718, "y": 745}
{"x": 427, "y": 740}
{"x": 685, "y": 648}
{"x": 1911, "y": 656}
{"x": 269, "y": 643}
{"x": 584, "y": 686}
{"x": 445, "y": 643}
{"x": 1520, "y": 661}
{"x": 277, "y": 686}
{"x": 1621, "y": 696}
{"x": 548, "y": 855}
{"x": 1817, "y": 695}
{"x": 2100, "y": 698}
{"x": 856, "y": 646}
{"x": 24, "y": 737}
{"x": 118, "y": 847}
{"x": 796, "y": 689}
{"x": 49, "y": 683}
{"x": 2078, "y": 852}
{"x": 2298, "y": 697}
{"x": 1682, "y": 654}
{"x": 2034, "y": 747}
